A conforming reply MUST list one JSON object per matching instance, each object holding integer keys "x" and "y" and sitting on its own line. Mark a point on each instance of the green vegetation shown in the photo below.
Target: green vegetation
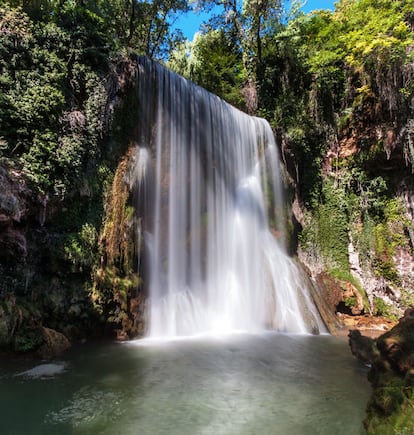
{"x": 336, "y": 87}
{"x": 389, "y": 410}
{"x": 60, "y": 68}
{"x": 51, "y": 95}
{"x": 214, "y": 63}
{"x": 330, "y": 230}
{"x": 28, "y": 339}
{"x": 383, "y": 309}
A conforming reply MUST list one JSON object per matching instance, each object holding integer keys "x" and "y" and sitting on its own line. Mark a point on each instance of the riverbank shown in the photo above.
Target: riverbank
{"x": 391, "y": 374}
{"x": 370, "y": 326}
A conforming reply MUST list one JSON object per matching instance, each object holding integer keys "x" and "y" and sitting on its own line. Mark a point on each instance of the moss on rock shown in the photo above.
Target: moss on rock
{"x": 116, "y": 293}
{"x": 390, "y": 409}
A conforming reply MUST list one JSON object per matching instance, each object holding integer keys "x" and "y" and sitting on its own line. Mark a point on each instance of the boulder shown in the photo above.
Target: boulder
{"x": 363, "y": 348}
{"x": 54, "y": 344}
{"x": 397, "y": 346}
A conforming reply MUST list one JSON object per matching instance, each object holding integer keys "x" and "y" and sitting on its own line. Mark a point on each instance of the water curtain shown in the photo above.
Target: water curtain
{"x": 209, "y": 196}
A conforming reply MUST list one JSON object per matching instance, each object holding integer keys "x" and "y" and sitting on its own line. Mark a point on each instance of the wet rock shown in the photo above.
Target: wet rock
{"x": 121, "y": 335}
{"x": 397, "y": 345}
{"x": 54, "y": 344}
{"x": 408, "y": 314}
{"x": 326, "y": 310}
{"x": 21, "y": 330}
{"x": 362, "y": 347}
{"x": 330, "y": 289}
{"x": 371, "y": 326}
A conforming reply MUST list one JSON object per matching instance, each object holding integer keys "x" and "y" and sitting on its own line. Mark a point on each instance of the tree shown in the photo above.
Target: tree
{"x": 376, "y": 35}
{"x": 227, "y": 16}
{"x": 215, "y": 64}
{"x": 260, "y": 17}
{"x": 146, "y": 26}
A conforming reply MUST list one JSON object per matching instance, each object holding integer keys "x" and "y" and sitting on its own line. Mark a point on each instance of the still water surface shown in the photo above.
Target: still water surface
{"x": 240, "y": 384}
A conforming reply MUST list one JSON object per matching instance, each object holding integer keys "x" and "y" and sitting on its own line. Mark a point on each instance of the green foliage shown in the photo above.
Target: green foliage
{"x": 350, "y": 302}
{"x": 407, "y": 298}
{"x": 374, "y": 29}
{"x": 215, "y": 64}
{"x": 370, "y": 192}
{"x": 28, "y": 339}
{"x": 390, "y": 407}
{"x": 320, "y": 79}
{"x": 112, "y": 292}
{"x": 383, "y": 309}
{"x": 51, "y": 94}
{"x": 382, "y": 230}
{"x": 329, "y": 227}
{"x": 81, "y": 249}
{"x": 399, "y": 423}
{"x": 55, "y": 103}
{"x": 145, "y": 27}
{"x": 327, "y": 72}
{"x": 260, "y": 17}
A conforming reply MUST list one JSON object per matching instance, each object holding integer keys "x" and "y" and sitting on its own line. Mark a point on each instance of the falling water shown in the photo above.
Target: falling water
{"x": 208, "y": 188}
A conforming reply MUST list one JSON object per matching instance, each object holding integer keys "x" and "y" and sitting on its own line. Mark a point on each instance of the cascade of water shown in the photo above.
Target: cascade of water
{"x": 213, "y": 186}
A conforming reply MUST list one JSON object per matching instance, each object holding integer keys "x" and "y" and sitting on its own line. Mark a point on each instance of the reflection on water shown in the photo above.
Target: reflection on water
{"x": 241, "y": 384}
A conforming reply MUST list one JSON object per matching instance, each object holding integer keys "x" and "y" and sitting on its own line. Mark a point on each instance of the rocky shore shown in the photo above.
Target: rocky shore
{"x": 391, "y": 360}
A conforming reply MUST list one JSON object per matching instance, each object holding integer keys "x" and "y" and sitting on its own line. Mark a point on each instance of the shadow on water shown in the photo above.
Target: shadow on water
{"x": 241, "y": 384}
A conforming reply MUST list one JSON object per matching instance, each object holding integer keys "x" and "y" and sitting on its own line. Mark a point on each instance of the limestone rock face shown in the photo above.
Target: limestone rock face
{"x": 341, "y": 296}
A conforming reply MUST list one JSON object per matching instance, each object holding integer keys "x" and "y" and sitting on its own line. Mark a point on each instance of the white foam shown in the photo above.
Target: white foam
{"x": 44, "y": 371}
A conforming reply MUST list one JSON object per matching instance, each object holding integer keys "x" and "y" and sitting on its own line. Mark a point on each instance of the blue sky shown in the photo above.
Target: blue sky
{"x": 190, "y": 23}
{"x": 311, "y": 5}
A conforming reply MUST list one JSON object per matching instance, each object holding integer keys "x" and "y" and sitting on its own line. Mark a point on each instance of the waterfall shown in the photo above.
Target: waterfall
{"x": 209, "y": 188}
